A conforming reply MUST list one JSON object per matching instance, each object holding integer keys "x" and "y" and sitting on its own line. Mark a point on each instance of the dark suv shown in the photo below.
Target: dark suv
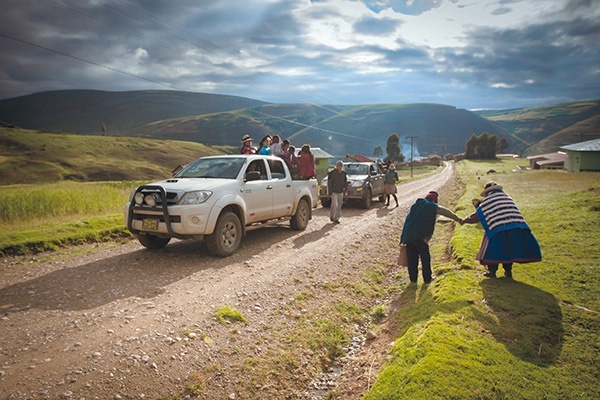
{"x": 365, "y": 181}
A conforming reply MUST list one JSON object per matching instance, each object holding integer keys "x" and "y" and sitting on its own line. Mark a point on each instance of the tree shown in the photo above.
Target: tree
{"x": 393, "y": 148}
{"x": 482, "y": 147}
{"x": 471, "y": 151}
{"x": 502, "y": 145}
{"x": 378, "y": 151}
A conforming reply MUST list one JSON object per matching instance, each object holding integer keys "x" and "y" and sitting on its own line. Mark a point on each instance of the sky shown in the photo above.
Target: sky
{"x": 473, "y": 54}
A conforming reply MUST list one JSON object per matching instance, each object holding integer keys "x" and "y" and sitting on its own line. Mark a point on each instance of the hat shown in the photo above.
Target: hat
{"x": 432, "y": 196}
{"x": 339, "y": 162}
{"x": 491, "y": 185}
{"x": 246, "y": 138}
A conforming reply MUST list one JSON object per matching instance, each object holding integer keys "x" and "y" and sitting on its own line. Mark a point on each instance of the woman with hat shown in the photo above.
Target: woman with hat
{"x": 247, "y": 145}
{"x": 389, "y": 184}
{"x": 508, "y": 238}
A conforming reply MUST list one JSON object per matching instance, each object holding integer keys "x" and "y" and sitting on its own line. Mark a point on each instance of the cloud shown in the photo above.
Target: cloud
{"x": 466, "y": 53}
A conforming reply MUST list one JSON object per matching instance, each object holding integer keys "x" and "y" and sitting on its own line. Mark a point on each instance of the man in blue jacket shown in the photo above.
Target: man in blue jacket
{"x": 418, "y": 230}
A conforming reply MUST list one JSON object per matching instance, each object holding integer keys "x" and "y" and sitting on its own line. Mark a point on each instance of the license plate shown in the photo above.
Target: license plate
{"x": 150, "y": 224}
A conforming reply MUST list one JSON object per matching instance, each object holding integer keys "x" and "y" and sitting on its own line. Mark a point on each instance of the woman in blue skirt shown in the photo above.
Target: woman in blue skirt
{"x": 508, "y": 238}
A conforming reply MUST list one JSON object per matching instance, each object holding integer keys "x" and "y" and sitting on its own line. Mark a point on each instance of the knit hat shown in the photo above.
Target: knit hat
{"x": 432, "y": 196}
{"x": 491, "y": 185}
{"x": 339, "y": 162}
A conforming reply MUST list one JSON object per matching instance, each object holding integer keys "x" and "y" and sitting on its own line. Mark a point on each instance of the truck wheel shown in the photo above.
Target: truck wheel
{"x": 299, "y": 221}
{"x": 227, "y": 236}
{"x": 367, "y": 199}
{"x": 326, "y": 203}
{"x": 153, "y": 242}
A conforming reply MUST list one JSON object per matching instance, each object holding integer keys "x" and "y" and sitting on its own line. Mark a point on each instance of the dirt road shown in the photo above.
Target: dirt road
{"x": 117, "y": 321}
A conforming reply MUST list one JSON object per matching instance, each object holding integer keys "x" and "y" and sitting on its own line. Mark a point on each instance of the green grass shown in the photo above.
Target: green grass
{"x": 226, "y": 315}
{"x": 537, "y": 337}
{"x": 36, "y": 218}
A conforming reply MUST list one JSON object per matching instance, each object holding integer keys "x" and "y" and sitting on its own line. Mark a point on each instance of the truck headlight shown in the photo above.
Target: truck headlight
{"x": 356, "y": 183}
{"x": 197, "y": 197}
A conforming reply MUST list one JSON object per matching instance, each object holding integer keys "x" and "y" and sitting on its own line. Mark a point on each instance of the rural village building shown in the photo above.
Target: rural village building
{"x": 584, "y": 156}
{"x": 547, "y": 161}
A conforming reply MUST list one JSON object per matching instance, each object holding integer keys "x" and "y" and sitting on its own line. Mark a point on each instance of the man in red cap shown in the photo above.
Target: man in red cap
{"x": 417, "y": 231}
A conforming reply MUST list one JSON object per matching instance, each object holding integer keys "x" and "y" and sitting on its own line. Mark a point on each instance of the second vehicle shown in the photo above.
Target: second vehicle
{"x": 365, "y": 181}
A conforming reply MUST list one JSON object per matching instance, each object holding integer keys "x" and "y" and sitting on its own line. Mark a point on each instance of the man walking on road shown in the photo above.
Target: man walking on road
{"x": 336, "y": 187}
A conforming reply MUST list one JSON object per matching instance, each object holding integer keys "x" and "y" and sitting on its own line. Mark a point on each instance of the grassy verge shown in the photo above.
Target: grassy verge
{"x": 469, "y": 337}
{"x": 36, "y": 218}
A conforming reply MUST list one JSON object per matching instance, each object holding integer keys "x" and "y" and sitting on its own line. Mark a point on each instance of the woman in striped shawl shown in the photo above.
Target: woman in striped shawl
{"x": 508, "y": 238}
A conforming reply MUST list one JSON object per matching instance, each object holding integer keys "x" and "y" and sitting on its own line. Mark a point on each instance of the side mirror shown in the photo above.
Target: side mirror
{"x": 252, "y": 176}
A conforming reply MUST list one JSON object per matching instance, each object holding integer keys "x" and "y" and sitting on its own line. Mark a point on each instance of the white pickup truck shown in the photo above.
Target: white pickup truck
{"x": 219, "y": 199}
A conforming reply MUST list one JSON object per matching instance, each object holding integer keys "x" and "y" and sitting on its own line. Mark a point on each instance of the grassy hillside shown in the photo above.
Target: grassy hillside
{"x": 40, "y": 157}
{"x": 541, "y": 130}
{"x": 587, "y": 129}
{"x": 223, "y": 120}
{"x": 85, "y": 111}
{"x": 337, "y": 129}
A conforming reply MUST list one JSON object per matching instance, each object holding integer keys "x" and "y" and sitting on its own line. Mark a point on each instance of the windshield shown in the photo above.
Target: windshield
{"x": 223, "y": 168}
{"x": 356, "y": 169}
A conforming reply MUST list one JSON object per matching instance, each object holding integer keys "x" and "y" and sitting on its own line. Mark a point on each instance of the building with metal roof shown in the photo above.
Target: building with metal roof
{"x": 584, "y": 156}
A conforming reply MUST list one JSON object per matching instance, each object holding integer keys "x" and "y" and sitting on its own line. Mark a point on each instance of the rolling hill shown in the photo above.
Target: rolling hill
{"x": 85, "y": 111}
{"x": 338, "y": 129}
{"x": 545, "y": 129}
{"x": 31, "y": 157}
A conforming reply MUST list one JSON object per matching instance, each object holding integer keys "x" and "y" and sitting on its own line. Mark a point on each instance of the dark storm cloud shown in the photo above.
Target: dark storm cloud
{"x": 557, "y": 60}
{"x": 287, "y": 51}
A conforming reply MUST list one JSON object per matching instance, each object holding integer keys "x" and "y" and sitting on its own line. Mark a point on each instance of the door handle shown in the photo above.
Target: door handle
{"x": 269, "y": 187}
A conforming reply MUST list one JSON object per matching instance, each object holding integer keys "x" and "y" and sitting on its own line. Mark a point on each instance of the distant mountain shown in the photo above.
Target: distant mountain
{"x": 337, "y": 129}
{"x": 86, "y": 111}
{"x": 223, "y": 120}
{"x": 545, "y": 129}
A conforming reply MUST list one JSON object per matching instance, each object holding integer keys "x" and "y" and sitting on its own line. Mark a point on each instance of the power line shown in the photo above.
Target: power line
{"x": 90, "y": 62}
{"x": 79, "y": 10}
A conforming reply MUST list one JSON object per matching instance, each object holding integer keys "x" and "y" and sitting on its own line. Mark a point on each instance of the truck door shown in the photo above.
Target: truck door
{"x": 283, "y": 190}
{"x": 258, "y": 195}
{"x": 376, "y": 179}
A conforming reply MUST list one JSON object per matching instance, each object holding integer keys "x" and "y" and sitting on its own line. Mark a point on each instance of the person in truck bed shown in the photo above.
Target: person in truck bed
{"x": 247, "y": 147}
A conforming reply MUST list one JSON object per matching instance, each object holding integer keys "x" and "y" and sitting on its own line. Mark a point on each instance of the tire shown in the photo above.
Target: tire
{"x": 367, "y": 199}
{"x": 153, "y": 242}
{"x": 227, "y": 236}
{"x": 326, "y": 203}
{"x": 299, "y": 221}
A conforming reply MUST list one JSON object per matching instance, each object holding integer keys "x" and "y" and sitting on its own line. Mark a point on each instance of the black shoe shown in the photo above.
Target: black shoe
{"x": 386, "y": 204}
{"x": 431, "y": 280}
{"x": 397, "y": 205}
{"x": 490, "y": 274}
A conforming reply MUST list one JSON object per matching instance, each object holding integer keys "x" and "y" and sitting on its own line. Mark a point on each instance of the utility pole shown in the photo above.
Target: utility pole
{"x": 411, "y": 153}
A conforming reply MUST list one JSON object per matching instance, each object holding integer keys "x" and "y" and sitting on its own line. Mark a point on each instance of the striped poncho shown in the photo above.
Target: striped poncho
{"x": 498, "y": 212}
